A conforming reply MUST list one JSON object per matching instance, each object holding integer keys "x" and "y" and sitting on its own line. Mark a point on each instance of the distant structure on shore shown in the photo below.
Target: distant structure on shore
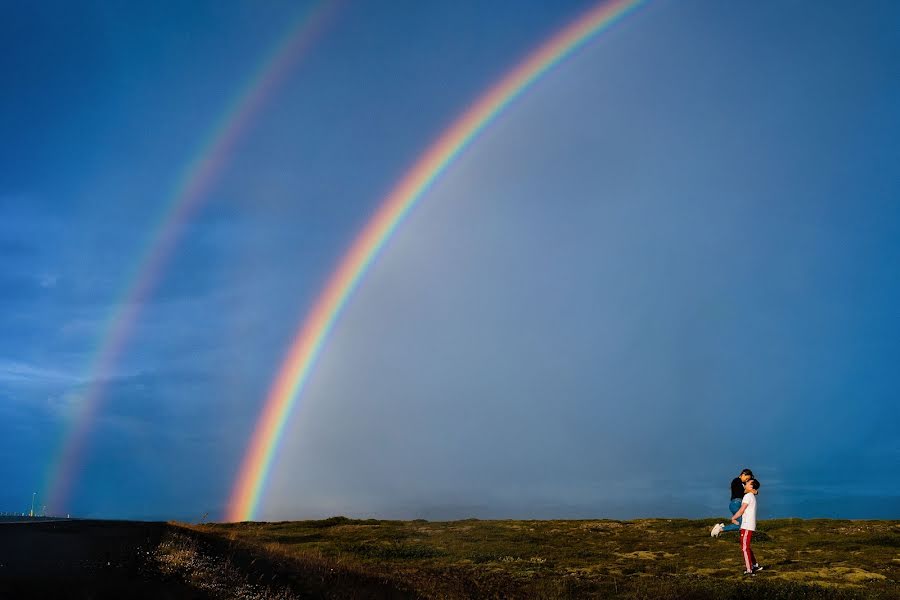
{"x": 28, "y": 515}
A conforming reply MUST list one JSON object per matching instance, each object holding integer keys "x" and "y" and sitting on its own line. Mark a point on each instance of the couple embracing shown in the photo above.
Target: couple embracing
{"x": 744, "y": 489}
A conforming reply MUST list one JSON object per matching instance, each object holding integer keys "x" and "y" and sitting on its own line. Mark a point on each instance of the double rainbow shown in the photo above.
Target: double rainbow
{"x": 184, "y": 200}
{"x": 308, "y": 343}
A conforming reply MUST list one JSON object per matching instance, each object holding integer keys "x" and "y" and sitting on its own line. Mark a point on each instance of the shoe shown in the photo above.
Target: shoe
{"x": 757, "y": 568}
{"x": 717, "y": 529}
{"x": 749, "y": 573}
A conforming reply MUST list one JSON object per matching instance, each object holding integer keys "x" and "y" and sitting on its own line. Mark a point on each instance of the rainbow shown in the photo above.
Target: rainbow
{"x": 307, "y": 345}
{"x": 186, "y": 197}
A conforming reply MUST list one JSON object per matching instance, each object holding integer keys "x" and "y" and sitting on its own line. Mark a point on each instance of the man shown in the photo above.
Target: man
{"x": 746, "y": 514}
{"x": 737, "y": 494}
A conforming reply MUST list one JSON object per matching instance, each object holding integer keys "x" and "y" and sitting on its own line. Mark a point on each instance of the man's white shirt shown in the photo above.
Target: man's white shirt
{"x": 748, "y": 519}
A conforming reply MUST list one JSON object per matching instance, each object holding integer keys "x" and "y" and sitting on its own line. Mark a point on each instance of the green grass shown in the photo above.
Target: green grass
{"x": 647, "y": 558}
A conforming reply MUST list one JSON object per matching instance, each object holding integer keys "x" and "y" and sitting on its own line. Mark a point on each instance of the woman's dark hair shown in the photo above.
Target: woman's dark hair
{"x": 747, "y": 472}
{"x": 754, "y": 483}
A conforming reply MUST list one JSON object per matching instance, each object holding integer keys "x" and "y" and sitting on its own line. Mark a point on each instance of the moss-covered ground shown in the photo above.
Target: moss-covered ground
{"x": 646, "y": 558}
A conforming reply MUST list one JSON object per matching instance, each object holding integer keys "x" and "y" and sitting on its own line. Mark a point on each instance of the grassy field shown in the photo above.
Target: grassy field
{"x": 647, "y": 558}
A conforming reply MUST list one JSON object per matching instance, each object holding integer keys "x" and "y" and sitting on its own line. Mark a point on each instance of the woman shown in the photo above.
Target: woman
{"x": 737, "y": 493}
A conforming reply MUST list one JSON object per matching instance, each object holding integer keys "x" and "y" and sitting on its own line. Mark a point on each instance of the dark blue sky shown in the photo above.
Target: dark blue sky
{"x": 675, "y": 257}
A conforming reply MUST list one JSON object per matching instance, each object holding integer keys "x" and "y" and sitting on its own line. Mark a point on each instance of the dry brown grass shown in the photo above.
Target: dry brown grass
{"x": 646, "y": 558}
{"x": 182, "y": 556}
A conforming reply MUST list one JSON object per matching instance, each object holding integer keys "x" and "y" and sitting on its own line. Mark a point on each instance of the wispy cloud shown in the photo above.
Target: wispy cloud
{"x": 48, "y": 280}
{"x": 18, "y": 372}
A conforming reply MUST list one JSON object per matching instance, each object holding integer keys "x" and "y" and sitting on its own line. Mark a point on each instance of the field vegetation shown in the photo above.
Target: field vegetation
{"x": 647, "y": 558}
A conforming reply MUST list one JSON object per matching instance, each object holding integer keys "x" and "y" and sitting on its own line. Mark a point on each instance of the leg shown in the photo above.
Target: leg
{"x": 734, "y": 506}
{"x": 746, "y": 535}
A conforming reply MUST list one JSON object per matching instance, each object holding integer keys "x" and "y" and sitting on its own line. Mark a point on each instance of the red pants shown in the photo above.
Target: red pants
{"x": 749, "y": 559}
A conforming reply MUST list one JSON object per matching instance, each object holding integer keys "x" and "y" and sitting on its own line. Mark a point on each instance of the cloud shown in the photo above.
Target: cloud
{"x": 48, "y": 280}
{"x": 18, "y": 372}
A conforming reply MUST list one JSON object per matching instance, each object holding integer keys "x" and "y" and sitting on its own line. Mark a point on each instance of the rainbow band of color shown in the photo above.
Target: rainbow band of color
{"x": 191, "y": 189}
{"x": 308, "y": 343}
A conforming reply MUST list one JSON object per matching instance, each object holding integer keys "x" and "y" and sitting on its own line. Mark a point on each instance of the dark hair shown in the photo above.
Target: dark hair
{"x": 747, "y": 472}
{"x": 754, "y": 483}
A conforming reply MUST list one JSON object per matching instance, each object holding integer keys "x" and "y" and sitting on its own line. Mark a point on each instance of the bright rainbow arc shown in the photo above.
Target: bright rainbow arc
{"x": 307, "y": 345}
{"x": 185, "y": 199}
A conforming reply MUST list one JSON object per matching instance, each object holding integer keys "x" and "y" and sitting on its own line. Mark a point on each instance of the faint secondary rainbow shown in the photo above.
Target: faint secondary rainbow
{"x": 307, "y": 345}
{"x": 186, "y": 197}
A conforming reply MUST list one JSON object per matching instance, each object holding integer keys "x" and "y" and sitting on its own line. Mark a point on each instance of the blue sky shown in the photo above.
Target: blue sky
{"x": 674, "y": 257}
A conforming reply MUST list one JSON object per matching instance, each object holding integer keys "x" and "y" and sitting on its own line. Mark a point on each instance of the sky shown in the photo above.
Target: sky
{"x": 673, "y": 257}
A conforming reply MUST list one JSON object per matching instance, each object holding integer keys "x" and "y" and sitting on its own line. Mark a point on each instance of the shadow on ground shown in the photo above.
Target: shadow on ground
{"x": 74, "y": 559}
{"x": 85, "y": 559}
